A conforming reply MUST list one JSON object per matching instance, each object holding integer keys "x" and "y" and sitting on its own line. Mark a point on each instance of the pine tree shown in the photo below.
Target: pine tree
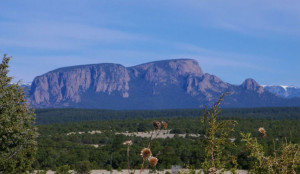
{"x": 17, "y": 131}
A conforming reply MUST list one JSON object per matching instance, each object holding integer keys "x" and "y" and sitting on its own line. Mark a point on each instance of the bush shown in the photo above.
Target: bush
{"x": 286, "y": 159}
{"x": 63, "y": 170}
{"x": 83, "y": 167}
{"x": 216, "y": 139}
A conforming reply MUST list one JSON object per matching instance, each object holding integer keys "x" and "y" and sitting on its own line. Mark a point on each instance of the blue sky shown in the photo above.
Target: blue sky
{"x": 234, "y": 40}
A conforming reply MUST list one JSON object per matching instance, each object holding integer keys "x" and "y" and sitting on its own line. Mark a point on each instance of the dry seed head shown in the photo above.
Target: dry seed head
{"x": 128, "y": 143}
{"x": 165, "y": 125}
{"x": 153, "y": 161}
{"x": 156, "y": 125}
{"x": 146, "y": 153}
{"x": 262, "y": 131}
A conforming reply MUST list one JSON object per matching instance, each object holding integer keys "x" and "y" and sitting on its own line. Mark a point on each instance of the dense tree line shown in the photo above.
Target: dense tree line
{"x": 275, "y": 128}
{"x": 51, "y": 116}
{"x": 57, "y": 148}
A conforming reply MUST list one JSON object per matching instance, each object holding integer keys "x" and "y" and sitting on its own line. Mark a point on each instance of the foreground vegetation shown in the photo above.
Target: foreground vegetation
{"x": 16, "y": 126}
{"x": 57, "y": 147}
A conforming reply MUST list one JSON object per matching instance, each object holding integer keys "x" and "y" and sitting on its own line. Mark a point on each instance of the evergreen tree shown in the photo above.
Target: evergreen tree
{"x": 17, "y": 131}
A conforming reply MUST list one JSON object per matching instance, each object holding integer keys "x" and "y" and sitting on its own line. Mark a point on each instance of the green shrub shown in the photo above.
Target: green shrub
{"x": 83, "y": 167}
{"x": 63, "y": 170}
{"x": 286, "y": 159}
{"x": 108, "y": 168}
{"x": 216, "y": 139}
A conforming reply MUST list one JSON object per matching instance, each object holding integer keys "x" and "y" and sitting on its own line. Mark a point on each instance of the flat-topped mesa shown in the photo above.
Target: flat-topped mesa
{"x": 167, "y": 70}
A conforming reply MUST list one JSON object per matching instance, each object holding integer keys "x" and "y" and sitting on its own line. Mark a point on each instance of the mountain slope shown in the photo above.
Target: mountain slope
{"x": 163, "y": 84}
{"x": 283, "y": 91}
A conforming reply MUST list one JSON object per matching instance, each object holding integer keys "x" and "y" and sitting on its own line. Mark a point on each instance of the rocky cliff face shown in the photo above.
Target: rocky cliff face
{"x": 156, "y": 85}
{"x": 66, "y": 85}
{"x": 252, "y": 85}
{"x": 167, "y": 72}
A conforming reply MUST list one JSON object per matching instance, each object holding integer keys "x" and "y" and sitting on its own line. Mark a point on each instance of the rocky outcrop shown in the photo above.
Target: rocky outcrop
{"x": 163, "y": 84}
{"x": 252, "y": 85}
{"x": 66, "y": 85}
{"x": 168, "y": 71}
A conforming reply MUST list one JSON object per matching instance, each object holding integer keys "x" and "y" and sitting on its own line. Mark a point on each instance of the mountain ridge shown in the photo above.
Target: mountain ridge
{"x": 283, "y": 90}
{"x": 165, "y": 84}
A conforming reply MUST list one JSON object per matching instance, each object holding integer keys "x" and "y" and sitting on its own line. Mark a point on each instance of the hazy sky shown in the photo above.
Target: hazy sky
{"x": 234, "y": 40}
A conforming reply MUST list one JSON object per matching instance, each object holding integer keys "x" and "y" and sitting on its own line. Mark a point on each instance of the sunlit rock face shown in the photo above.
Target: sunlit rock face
{"x": 66, "y": 85}
{"x": 166, "y": 84}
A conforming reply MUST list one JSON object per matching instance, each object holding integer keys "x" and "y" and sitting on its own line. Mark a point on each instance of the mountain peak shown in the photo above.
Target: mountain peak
{"x": 251, "y": 84}
{"x": 250, "y": 81}
{"x": 174, "y": 66}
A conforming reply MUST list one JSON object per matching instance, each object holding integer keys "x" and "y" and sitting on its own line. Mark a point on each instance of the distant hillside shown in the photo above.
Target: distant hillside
{"x": 167, "y": 84}
{"x": 283, "y": 91}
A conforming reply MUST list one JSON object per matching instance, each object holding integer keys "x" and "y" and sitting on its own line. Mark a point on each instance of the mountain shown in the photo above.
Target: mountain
{"x": 283, "y": 91}
{"x": 166, "y": 84}
{"x": 25, "y": 85}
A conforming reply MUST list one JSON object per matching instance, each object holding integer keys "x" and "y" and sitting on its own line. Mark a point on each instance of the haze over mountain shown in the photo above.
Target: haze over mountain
{"x": 165, "y": 84}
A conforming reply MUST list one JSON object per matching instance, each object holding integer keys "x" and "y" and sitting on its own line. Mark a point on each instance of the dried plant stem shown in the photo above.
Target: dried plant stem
{"x": 146, "y": 152}
{"x": 14, "y": 153}
{"x": 142, "y": 167}
{"x": 149, "y": 144}
{"x": 157, "y": 133}
{"x": 151, "y": 140}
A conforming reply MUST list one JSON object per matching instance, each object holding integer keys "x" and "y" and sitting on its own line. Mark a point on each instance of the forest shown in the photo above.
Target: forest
{"x": 66, "y": 136}
{"x": 64, "y": 115}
